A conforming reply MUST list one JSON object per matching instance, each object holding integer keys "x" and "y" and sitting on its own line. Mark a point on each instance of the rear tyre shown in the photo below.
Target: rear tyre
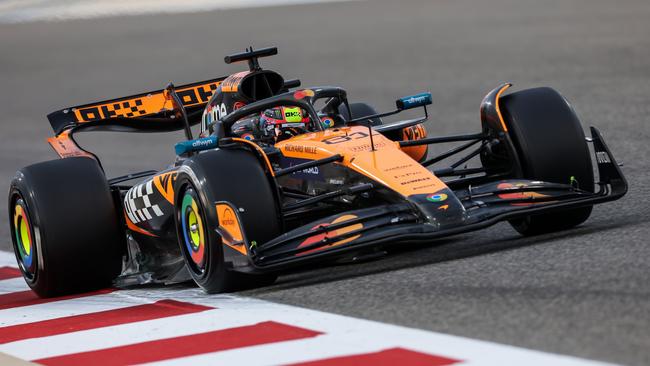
{"x": 234, "y": 176}
{"x": 551, "y": 146}
{"x": 65, "y": 229}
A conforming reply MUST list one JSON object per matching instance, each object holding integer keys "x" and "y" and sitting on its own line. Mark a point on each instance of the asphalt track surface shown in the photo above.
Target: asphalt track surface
{"x": 583, "y": 292}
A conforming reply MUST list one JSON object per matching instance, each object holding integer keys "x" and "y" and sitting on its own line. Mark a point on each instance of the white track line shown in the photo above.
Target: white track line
{"x": 12, "y": 285}
{"x": 64, "y": 308}
{"x": 281, "y": 353}
{"x": 7, "y": 259}
{"x": 341, "y": 335}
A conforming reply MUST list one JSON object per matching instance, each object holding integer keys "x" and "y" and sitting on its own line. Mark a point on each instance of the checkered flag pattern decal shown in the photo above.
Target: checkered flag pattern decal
{"x": 137, "y": 203}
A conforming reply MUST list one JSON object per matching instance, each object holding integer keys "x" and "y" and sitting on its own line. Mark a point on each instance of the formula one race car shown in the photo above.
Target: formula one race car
{"x": 281, "y": 177}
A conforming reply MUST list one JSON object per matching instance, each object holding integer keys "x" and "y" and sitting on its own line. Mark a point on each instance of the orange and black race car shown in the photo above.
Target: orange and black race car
{"x": 283, "y": 176}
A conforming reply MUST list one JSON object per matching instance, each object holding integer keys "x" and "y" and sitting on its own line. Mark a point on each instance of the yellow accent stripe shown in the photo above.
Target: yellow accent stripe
{"x": 496, "y": 101}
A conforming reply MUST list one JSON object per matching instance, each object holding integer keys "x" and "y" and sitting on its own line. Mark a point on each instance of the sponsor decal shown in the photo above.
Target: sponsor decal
{"x": 292, "y": 114}
{"x": 408, "y": 174}
{"x": 248, "y": 136}
{"x": 342, "y": 231}
{"x": 398, "y": 167}
{"x": 312, "y": 170}
{"x": 230, "y": 230}
{"x": 328, "y": 122}
{"x": 424, "y": 186}
{"x": 145, "y": 105}
{"x": 228, "y": 218}
{"x": 300, "y": 149}
{"x": 293, "y": 125}
{"x": 299, "y": 94}
{"x": 310, "y": 174}
{"x": 415, "y": 181}
{"x": 518, "y": 195}
{"x": 511, "y": 185}
{"x": 199, "y": 143}
{"x": 365, "y": 147}
{"x": 416, "y": 132}
{"x": 437, "y": 197}
{"x": 213, "y": 113}
{"x": 416, "y": 100}
{"x": 220, "y": 111}
{"x": 202, "y": 143}
{"x": 66, "y": 147}
{"x": 602, "y": 157}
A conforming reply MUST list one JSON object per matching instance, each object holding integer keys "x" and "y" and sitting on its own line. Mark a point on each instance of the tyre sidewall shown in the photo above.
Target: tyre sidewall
{"x": 214, "y": 272}
{"x": 77, "y": 234}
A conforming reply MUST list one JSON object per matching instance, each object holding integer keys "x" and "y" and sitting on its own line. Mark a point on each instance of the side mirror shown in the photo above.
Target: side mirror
{"x": 413, "y": 101}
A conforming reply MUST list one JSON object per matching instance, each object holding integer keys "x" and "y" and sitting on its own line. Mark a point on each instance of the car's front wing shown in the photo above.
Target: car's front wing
{"x": 484, "y": 205}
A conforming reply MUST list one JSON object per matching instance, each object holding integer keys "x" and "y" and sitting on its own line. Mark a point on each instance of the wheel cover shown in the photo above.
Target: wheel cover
{"x": 24, "y": 239}
{"x": 193, "y": 228}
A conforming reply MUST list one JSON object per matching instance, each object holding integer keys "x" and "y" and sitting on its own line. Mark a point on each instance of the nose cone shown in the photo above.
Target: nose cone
{"x": 441, "y": 208}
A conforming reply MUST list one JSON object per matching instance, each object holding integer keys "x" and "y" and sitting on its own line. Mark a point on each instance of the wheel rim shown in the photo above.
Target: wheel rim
{"x": 193, "y": 229}
{"x": 24, "y": 240}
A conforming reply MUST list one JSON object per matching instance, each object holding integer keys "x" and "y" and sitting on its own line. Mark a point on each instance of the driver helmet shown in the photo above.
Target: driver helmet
{"x": 281, "y": 123}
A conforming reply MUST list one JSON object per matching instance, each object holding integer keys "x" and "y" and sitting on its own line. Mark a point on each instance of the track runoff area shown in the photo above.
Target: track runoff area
{"x": 178, "y": 325}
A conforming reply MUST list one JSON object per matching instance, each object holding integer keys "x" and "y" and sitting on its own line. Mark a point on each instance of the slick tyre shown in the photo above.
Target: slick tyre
{"x": 225, "y": 175}
{"x": 551, "y": 146}
{"x": 66, "y": 233}
{"x": 418, "y": 153}
{"x": 359, "y": 110}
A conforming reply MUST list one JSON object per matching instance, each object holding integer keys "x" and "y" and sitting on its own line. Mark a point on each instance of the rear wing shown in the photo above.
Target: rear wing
{"x": 146, "y": 112}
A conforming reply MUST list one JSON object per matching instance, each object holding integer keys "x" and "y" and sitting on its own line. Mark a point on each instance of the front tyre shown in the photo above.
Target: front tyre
{"x": 225, "y": 175}
{"x": 551, "y": 146}
{"x": 358, "y": 110}
{"x": 416, "y": 132}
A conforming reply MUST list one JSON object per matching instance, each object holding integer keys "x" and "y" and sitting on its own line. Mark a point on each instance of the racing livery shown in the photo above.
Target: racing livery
{"x": 281, "y": 176}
